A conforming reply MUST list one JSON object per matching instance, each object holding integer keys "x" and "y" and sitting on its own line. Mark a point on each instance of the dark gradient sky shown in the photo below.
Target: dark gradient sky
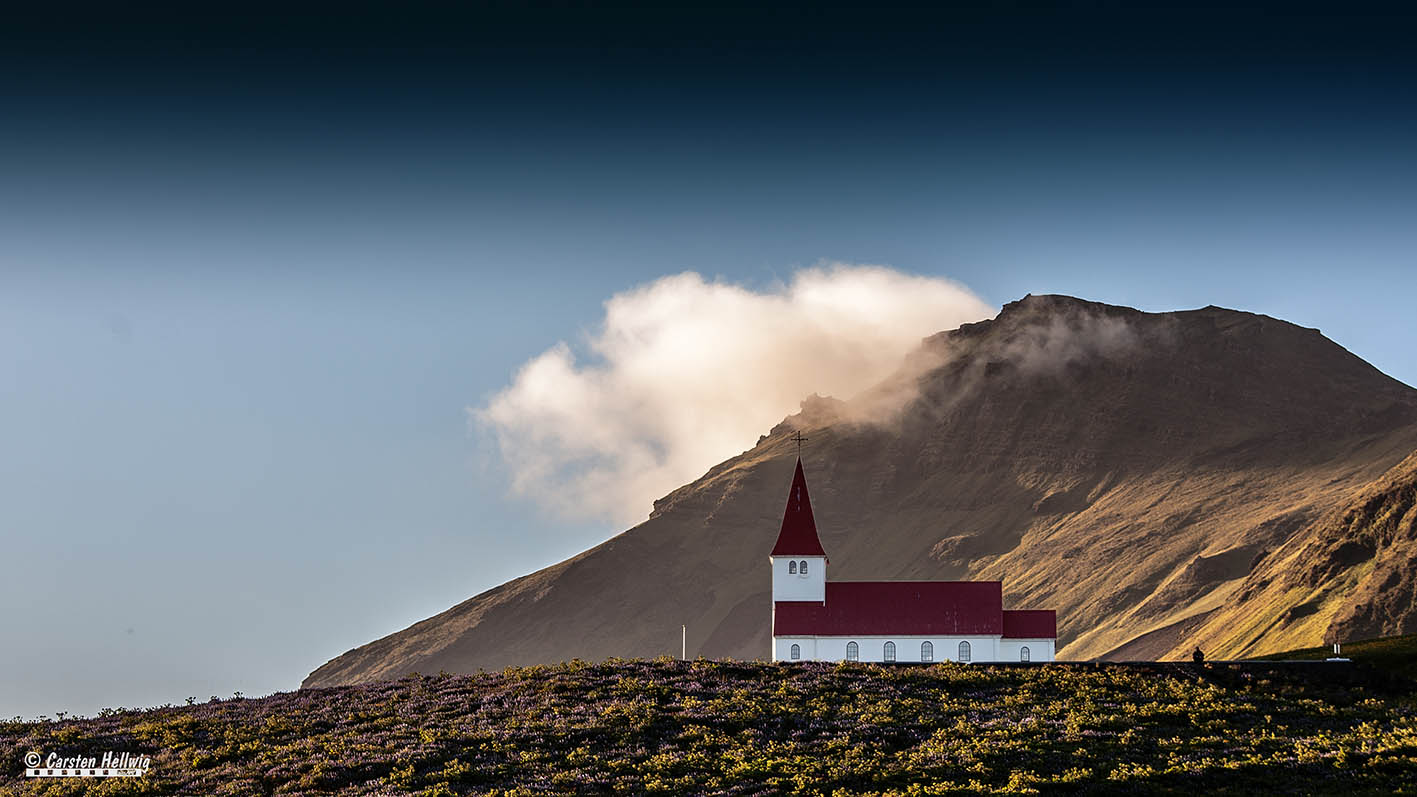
{"x": 528, "y": 114}
{"x": 757, "y": 84}
{"x": 255, "y": 264}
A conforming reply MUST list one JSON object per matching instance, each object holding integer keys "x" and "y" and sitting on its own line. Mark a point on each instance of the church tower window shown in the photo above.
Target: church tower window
{"x": 802, "y": 568}
{"x": 792, "y": 568}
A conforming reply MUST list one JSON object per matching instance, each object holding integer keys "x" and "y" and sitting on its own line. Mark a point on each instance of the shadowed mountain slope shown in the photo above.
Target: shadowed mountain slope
{"x": 1161, "y": 479}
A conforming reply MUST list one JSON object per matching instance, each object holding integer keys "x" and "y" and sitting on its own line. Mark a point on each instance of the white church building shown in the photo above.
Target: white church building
{"x": 814, "y": 619}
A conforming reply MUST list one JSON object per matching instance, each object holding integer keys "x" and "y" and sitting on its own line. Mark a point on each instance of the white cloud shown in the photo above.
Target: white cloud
{"x": 685, "y": 373}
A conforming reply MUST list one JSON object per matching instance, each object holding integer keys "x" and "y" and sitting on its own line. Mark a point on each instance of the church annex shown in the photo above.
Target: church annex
{"x": 814, "y": 619}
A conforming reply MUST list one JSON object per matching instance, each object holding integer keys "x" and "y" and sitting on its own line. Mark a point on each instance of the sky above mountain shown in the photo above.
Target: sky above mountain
{"x": 257, "y": 268}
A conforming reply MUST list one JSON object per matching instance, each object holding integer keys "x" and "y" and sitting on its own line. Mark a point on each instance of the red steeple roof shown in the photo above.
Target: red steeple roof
{"x": 798, "y": 536}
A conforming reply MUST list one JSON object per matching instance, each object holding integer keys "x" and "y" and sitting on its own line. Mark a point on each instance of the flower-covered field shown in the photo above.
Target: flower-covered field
{"x": 704, "y": 726}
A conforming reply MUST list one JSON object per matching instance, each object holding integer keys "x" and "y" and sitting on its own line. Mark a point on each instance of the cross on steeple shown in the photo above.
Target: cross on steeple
{"x": 799, "y": 439}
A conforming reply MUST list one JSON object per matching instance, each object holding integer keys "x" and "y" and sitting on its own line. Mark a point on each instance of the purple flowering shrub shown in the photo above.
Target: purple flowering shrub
{"x": 647, "y": 727}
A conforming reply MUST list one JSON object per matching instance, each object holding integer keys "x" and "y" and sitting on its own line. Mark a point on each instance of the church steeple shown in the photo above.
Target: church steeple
{"x": 798, "y": 535}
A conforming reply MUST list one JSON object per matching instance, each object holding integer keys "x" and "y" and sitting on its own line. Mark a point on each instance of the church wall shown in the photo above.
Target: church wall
{"x": 795, "y": 586}
{"x": 782, "y": 648}
{"x": 907, "y": 648}
{"x": 1038, "y": 649}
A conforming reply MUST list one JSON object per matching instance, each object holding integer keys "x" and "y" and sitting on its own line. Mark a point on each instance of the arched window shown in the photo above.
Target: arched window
{"x": 802, "y": 568}
{"x": 792, "y": 568}
{"x": 796, "y": 652}
{"x": 1023, "y": 653}
{"x": 853, "y": 651}
{"x": 927, "y": 651}
{"x": 964, "y": 651}
{"x": 888, "y": 653}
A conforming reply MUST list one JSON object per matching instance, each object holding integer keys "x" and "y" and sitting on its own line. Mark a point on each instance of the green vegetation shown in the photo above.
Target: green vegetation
{"x": 668, "y": 727}
{"x": 1395, "y": 654}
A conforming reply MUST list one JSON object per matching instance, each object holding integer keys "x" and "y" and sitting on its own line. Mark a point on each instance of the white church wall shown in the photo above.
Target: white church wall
{"x": 872, "y": 648}
{"x": 782, "y": 648}
{"x": 793, "y": 586}
{"x": 1038, "y": 649}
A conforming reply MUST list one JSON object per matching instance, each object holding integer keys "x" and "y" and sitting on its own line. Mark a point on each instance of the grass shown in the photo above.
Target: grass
{"x": 669, "y": 727}
{"x": 1395, "y": 654}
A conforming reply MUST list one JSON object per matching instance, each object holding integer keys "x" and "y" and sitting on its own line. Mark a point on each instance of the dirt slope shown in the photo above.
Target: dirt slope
{"x": 1184, "y": 477}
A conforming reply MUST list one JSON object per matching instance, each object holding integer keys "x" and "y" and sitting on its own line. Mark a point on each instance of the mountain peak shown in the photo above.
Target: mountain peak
{"x": 1059, "y": 303}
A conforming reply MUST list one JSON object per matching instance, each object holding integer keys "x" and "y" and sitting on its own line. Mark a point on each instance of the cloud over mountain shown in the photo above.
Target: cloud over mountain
{"x": 685, "y": 372}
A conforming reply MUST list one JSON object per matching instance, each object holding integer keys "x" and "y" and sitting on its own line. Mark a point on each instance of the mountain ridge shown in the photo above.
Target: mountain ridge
{"x": 1133, "y": 470}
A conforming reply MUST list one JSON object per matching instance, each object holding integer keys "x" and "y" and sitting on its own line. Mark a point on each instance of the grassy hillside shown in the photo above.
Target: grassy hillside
{"x": 1397, "y": 654}
{"x": 746, "y": 728}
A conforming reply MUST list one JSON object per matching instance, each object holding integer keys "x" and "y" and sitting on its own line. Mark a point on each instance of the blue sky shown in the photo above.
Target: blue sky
{"x": 247, "y": 297}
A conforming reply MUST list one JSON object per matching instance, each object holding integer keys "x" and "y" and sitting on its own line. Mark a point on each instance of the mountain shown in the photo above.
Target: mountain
{"x": 1207, "y": 478}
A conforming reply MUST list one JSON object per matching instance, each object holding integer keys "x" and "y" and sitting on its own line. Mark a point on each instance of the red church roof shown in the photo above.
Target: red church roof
{"x": 798, "y": 536}
{"x": 907, "y": 608}
{"x": 1030, "y": 624}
